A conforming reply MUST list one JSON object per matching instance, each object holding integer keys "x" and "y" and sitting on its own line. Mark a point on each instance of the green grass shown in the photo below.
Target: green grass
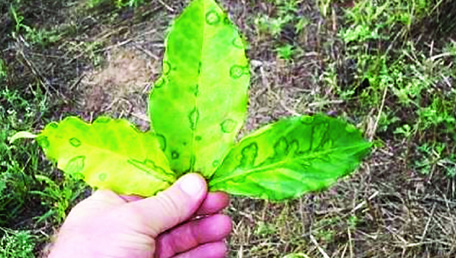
{"x": 409, "y": 81}
{"x": 33, "y": 195}
{"x": 17, "y": 243}
{"x": 117, "y": 3}
{"x": 37, "y": 36}
{"x": 28, "y": 184}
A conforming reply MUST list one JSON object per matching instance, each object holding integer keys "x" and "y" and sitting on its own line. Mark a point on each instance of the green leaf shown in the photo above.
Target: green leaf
{"x": 22, "y": 135}
{"x": 199, "y": 103}
{"x": 109, "y": 154}
{"x": 291, "y": 157}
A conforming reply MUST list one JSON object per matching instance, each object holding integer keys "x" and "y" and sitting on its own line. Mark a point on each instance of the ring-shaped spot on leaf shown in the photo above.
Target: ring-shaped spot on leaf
{"x": 166, "y": 67}
{"x": 228, "y": 125}
{"x": 76, "y": 165}
{"x": 75, "y": 142}
{"x": 212, "y": 17}
{"x": 160, "y": 82}
{"x": 193, "y": 118}
{"x": 162, "y": 141}
{"x": 237, "y": 71}
{"x": 102, "y": 177}
{"x": 175, "y": 155}
{"x": 237, "y": 42}
{"x": 53, "y": 125}
{"x": 42, "y": 141}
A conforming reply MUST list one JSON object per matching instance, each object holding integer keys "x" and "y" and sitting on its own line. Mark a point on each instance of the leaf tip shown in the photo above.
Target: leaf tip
{"x": 22, "y": 135}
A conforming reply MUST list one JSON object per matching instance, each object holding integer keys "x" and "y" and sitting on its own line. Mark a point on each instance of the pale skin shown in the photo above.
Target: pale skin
{"x": 182, "y": 221}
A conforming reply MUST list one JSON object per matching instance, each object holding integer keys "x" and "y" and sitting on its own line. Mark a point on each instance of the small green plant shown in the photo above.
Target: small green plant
{"x": 405, "y": 131}
{"x": 324, "y": 6}
{"x": 18, "y": 18}
{"x": 118, "y": 3}
{"x": 17, "y": 244}
{"x": 57, "y": 198}
{"x": 2, "y": 70}
{"x": 39, "y": 36}
{"x": 285, "y": 52}
{"x": 265, "y": 229}
{"x": 296, "y": 255}
{"x": 27, "y": 183}
{"x": 285, "y": 16}
{"x": 197, "y": 108}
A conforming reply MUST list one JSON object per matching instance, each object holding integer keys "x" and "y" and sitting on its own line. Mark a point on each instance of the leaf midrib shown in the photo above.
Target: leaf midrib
{"x": 246, "y": 173}
{"x": 193, "y": 142}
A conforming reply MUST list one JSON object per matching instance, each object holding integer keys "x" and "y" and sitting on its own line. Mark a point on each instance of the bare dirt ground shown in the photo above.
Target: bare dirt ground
{"x": 384, "y": 210}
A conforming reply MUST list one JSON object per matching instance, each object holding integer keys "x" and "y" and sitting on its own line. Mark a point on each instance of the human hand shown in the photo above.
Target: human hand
{"x": 166, "y": 225}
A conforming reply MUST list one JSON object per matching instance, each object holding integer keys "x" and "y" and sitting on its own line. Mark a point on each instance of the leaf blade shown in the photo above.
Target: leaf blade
{"x": 309, "y": 153}
{"x": 108, "y": 154}
{"x": 204, "y": 86}
{"x": 22, "y": 135}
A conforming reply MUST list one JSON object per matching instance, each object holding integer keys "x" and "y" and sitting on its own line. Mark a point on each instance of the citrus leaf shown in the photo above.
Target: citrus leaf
{"x": 108, "y": 154}
{"x": 199, "y": 103}
{"x": 291, "y": 157}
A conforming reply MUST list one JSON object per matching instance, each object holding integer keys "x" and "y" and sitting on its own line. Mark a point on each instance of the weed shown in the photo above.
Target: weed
{"x": 285, "y": 52}
{"x": 265, "y": 229}
{"x": 296, "y": 255}
{"x": 353, "y": 221}
{"x": 38, "y": 36}
{"x": 57, "y": 198}
{"x": 405, "y": 131}
{"x": 324, "y": 6}
{"x": 287, "y": 17}
{"x": 117, "y": 3}
{"x": 410, "y": 80}
{"x": 270, "y": 25}
{"x": 23, "y": 185}
{"x": 18, "y": 18}
{"x": 17, "y": 244}
{"x": 2, "y": 70}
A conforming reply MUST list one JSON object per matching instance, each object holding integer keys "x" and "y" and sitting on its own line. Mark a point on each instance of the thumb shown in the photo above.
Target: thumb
{"x": 172, "y": 206}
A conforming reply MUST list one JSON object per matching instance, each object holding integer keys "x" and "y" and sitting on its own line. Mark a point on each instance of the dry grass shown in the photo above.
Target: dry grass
{"x": 385, "y": 210}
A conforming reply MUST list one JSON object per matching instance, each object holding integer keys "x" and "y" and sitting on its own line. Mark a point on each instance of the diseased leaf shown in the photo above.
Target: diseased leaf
{"x": 199, "y": 103}
{"x": 291, "y": 157}
{"x": 109, "y": 154}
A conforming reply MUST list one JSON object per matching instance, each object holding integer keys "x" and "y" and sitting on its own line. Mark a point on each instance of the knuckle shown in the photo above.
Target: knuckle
{"x": 170, "y": 207}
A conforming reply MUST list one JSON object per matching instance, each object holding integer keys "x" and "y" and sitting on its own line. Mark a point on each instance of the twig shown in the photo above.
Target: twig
{"x": 314, "y": 241}
{"x": 169, "y": 8}
{"x": 322, "y": 103}
{"x": 428, "y": 222}
{"x": 374, "y": 129}
{"x": 360, "y": 205}
{"x": 344, "y": 250}
{"x": 350, "y": 240}
{"x": 289, "y": 110}
{"x": 147, "y": 52}
{"x": 76, "y": 83}
{"x": 43, "y": 80}
{"x": 432, "y": 58}
{"x": 141, "y": 117}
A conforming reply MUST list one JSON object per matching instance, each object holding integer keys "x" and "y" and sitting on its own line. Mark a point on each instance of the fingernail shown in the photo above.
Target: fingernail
{"x": 191, "y": 184}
